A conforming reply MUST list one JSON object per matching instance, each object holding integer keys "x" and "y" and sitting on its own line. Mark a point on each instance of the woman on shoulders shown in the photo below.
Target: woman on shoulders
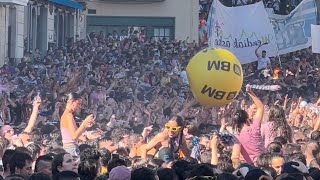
{"x": 172, "y": 137}
{"x": 69, "y": 130}
{"x": 247, "y": 132}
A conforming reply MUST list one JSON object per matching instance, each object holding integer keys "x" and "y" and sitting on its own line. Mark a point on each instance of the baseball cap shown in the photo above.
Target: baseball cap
{"x": 120, "y": 173}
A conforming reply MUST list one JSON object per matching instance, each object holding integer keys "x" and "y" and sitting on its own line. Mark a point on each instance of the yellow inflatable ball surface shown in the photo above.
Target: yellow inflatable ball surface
{"x": 215, "y": 77}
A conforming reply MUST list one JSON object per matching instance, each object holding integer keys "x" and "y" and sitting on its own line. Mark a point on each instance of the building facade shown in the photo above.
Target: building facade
{"x": 28, "y": 25}
{"x": 51, "y": 23}
{"x": 170, "y": 19}
{"x": 11, "y": 29}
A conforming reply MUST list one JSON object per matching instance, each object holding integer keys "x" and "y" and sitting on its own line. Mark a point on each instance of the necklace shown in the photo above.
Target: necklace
{"x": 69, "y": 111}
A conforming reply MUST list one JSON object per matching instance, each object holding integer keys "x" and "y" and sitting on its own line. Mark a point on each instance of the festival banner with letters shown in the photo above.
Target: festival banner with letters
{"x": 293, "y": 31}
{"x": 241, "y": 30}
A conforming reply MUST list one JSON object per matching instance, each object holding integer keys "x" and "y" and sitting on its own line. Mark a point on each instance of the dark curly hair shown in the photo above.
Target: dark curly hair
{"x": 239, "y": 119}
{"x": 280, "y": 125}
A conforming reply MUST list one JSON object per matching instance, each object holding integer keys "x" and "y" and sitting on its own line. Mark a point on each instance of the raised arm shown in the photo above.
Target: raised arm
{"x": 256, "y": 51}
{"x": 260, "y": 107}
{"x": 13, "y": 104}
{"x": 235, "y": 155}
{"x": 34, "y": 115}
{"x": 77, "y": 132}
{"x": 285, "y": 102}
{"x": 214, "y": 150}
{"x": 156, "y": 140}
{"x": 298, "y": 69}
{"x": 30, "y": 94}
{"x": 317, "y": 125}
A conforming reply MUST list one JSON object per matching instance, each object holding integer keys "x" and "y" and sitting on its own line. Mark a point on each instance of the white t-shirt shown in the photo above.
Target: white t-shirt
{"x": 263, "y": 62}
{"x": 184, "y": 77}
{"x": 270, "y": 11}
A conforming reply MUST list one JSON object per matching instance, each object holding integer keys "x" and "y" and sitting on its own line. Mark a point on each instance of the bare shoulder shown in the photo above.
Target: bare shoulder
{"x": 65, "y": 117}
{"x": 162, "y": 136}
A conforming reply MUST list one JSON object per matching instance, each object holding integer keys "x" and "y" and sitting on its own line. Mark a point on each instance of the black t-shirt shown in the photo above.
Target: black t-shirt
{"x": 16, "y": 114}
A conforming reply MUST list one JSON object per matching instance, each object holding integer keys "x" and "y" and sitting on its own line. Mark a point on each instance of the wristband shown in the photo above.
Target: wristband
{"x": 306, "y": 174}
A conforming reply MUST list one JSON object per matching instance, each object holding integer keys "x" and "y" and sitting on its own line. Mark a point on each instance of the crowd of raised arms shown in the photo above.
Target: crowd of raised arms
{"x": 119, "y": 107}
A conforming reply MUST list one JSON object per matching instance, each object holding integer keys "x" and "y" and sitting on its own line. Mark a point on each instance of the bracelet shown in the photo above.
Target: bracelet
{"x": 306, "y": 174}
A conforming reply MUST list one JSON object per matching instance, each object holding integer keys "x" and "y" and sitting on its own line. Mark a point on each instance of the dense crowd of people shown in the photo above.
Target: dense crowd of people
{"x": 119, "y": 107}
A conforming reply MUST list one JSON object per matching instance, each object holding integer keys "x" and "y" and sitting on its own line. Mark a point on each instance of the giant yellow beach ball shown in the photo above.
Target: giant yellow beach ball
{"x": 215, "y": 77}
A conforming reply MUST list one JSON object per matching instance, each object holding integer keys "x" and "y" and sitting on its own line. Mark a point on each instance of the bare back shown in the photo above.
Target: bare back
{"x": 67, "y": 127}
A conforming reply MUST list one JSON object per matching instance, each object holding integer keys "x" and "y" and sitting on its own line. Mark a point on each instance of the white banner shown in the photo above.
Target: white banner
{"x": 293, "y": 31}
{"x": 315, "y": 34}
{"x": 241, "y": 30}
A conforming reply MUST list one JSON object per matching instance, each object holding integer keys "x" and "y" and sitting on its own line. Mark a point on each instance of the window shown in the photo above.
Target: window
{"x": 160, "y": 33}
{"x": 92, "y": 11}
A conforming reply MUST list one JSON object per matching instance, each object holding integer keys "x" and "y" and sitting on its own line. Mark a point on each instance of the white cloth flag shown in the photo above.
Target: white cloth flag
{"x": 293, "y": 31}
{"x": 241, "y": 30}
{"x": 315, "y": 34}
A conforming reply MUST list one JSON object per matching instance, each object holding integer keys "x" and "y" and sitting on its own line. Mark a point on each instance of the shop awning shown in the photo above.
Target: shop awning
{"x": 15, "y": 2}
{"x": 68, "y": 3}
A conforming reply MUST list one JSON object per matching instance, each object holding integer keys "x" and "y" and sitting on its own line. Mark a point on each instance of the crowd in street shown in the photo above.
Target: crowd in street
{"x": 119, "y": 107}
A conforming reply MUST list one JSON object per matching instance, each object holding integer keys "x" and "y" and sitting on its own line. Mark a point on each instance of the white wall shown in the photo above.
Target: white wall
{"x": 184, "y": 11}
{"x": 16, "y": 21}
{"x": 19, "y": 32}
{"x": 3, "y": 34}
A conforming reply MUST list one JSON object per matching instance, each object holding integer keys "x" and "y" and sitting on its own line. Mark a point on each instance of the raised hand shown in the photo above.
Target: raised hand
{"x": 37, "y": 101}
{"x": 223, "y": 122}
{"x": 286, "y": 97}
{"x": 89, "y": 121}
{"x": 214, "y": 141}
{"x": 146, "y": 131}
{"x": 248, "y": 88}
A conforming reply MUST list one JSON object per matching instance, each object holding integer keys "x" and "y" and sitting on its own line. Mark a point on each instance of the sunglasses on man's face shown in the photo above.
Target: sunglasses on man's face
{"x": 171, "y": 128}
{"x": 204, "y": 177}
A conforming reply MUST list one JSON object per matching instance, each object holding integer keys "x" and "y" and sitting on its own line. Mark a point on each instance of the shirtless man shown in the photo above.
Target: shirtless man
{"x": 303, "y": 67}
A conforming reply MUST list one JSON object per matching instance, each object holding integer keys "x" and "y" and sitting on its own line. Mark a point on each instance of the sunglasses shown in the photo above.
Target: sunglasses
{"x": 170, "y": 128}
{"x": 204, "y": 177}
